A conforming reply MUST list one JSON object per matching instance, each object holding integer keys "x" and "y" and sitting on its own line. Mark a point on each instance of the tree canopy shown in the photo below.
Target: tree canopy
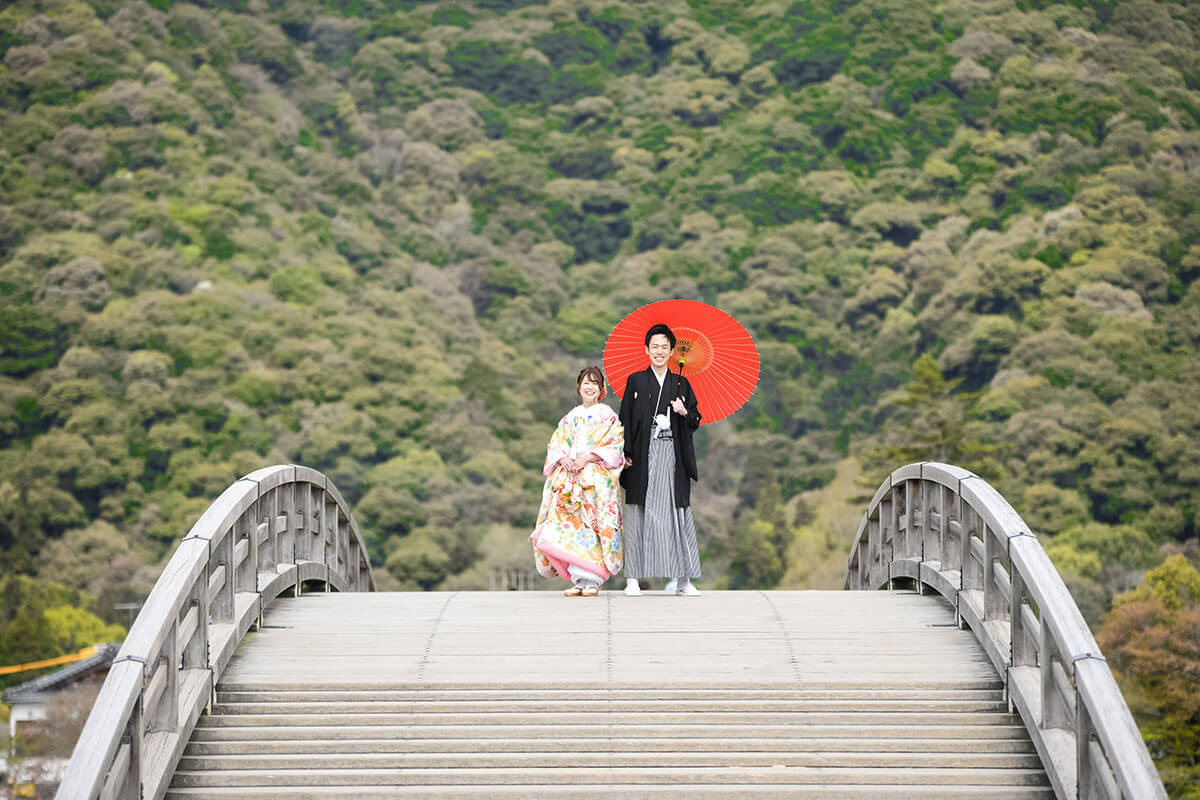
{"x": 380, "y": 238}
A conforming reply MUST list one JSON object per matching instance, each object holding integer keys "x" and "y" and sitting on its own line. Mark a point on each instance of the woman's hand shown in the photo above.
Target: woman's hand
{"x": 584, "y": 460}
{"x": 679, "y": 407}
{"x": 577, "y": 464}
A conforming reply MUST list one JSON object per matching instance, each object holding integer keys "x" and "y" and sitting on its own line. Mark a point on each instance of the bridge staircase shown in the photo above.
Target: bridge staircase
{"x": 532, "y": 695}
{"x": 263, "y": 666}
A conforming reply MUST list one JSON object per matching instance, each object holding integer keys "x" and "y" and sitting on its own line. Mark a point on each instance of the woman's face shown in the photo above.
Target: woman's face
{"x": 659, "y": 350}
{"x": 589, "y": 390}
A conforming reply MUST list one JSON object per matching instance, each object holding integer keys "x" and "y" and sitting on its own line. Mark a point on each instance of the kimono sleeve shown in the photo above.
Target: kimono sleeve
{"x": 559, "y": 446}
{"x": 608, "y": 442}
{"x": 691, "y": 403}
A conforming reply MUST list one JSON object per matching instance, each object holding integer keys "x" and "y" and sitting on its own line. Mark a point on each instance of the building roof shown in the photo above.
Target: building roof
{"x": 36, "y": 690}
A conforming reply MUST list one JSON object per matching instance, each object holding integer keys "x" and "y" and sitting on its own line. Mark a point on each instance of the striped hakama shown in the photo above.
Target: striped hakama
{"x": 660, "y": 539}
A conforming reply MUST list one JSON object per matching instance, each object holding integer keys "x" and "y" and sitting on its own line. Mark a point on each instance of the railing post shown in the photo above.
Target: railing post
{"x": 262, "y": 531}
{"x": 1022, "y": 653}
{"x": 964, "y": 542}
{"x": 993, "y": 601}
{"x": 1054, "y": 711}
{"x": 302, "y": 524}
{"x": 947, "y": 551}
{"x": 164, "y": 716}
{"x": 323, "y": 533}
{"x": 1083, "y": 750}
{"x": 131, "y": 786}
{"x": 247, "y": 570}
{"x": 874, "y": 546}
{"x": 283, "y": 508}
{"x": 195, "y": 650}
{"x": 223, "y": 602}
{"x": 891, "y": 534}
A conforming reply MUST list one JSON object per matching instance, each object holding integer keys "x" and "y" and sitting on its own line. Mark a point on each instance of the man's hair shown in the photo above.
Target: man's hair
{"x": 595, "y": 374}
{"x": 660, "y": 329}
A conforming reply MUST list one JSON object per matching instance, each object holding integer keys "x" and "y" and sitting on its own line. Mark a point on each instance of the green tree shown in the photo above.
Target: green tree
{"x": 934, "y": 423}
{"x": 73, "y": 628}
{"x": 1152, "y": 642}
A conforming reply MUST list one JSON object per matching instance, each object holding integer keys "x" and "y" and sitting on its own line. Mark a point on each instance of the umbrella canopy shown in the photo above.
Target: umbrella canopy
{"x": 712, "y": 350}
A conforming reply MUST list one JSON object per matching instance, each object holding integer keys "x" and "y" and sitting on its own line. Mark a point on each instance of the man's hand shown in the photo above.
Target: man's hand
{"x": 679, "y": 407}
{"x": 628, "y": 461}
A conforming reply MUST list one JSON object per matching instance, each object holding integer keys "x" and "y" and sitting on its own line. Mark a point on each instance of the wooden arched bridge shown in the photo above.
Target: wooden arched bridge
{"x": 264, "y": 666}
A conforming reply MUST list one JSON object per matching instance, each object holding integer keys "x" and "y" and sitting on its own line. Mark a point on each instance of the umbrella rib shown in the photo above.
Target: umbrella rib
{"x": 716, "y": 397}
{"x": 725, "y": 392}
{"x": 742, "y": 373}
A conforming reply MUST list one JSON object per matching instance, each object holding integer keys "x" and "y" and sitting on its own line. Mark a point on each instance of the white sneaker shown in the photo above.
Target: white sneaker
{"x": 671, "y": 586}
{"x": 689, "y": 590}
{"x": 632, "y": 589}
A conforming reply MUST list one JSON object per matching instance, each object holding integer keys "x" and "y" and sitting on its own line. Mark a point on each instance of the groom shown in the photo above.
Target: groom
{"x": 659, "y": 412}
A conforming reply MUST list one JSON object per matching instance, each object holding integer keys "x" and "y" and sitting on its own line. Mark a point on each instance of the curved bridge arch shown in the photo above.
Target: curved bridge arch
{"x": 274, "y": 531}
{"x": 944, "y": 528}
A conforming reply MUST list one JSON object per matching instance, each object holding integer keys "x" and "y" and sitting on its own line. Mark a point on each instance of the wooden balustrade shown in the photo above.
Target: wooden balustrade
{"x": 943, "y": 528}
{"x": 279, "y": 529}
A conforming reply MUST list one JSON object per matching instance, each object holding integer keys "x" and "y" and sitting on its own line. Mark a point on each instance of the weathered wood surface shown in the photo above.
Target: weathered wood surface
{"x": 267, "y": 533}
{"x": 805, "y": 638}
{"x": 533, "y": 695}
{"x": 941, "y": 528}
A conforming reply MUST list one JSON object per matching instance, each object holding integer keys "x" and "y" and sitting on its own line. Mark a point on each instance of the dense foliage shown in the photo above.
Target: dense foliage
{"x": 1152, "y": 641}
{"x": 380, "y": 238}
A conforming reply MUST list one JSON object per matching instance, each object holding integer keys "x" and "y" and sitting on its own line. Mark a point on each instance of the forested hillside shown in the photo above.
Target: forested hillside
{"x": 380, "y": 238}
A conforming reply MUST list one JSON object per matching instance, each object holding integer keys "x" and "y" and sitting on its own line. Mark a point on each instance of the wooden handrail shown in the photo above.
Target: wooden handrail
{"x": 273, "y": 531}
{"x": 943, "y": 528}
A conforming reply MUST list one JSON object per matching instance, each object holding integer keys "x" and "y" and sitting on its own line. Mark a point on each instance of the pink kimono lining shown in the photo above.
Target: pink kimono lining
{"x": 559, "y": 559}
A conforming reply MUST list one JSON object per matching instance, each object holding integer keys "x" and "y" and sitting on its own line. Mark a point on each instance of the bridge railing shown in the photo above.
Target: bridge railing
{"x": 273, "y": 531}
{"x": 945, "y": 528}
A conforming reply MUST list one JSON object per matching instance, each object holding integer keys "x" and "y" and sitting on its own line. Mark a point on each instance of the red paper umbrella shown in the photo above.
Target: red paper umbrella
{"x": 718, "y": 356}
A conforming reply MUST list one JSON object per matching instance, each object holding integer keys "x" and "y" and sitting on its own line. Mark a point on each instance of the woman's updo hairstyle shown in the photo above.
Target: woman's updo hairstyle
{"x": 595, "y": 374}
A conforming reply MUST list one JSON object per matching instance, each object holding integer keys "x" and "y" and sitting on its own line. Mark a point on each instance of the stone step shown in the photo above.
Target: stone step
{"x": 208, "y": 730}
{"x": 608, "y": 791}
{"x": 435, "y": 717}
{"x": 229, "y": 695}
{"x": 612, "y": 759}
{"x": 590, "y": 706}
{"x": 562, "y": 776}
{"x": 743, "y": 695}
{"x": 906, "y": 683}
{"x": 267, "y": 746}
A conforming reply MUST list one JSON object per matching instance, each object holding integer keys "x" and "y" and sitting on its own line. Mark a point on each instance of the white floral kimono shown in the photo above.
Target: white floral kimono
{"x": 579, "y": 523}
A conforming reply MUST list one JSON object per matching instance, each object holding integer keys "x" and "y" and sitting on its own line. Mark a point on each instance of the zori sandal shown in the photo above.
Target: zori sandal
{"x": 591, "y": 591}
{"x": 574, "y": 591}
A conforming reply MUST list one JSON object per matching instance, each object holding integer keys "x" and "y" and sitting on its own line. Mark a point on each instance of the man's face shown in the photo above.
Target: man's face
{"x": 659, "y": 350}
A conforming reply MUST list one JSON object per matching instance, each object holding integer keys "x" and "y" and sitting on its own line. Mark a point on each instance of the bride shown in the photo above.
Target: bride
{"x": 578, "y": 533}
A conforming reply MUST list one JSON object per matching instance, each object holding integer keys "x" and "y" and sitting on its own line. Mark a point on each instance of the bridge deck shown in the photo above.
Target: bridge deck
{"x": 850, "y": 638}
{"x": 816, "y": 695}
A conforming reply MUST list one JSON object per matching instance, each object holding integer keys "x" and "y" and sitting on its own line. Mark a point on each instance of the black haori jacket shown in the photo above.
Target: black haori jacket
{"x": 637, "y": 415}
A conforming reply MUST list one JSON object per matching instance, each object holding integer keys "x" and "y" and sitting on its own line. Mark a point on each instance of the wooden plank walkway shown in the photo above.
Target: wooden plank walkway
{"x": 533, "y": 695}
{"x": 849, "y": 638}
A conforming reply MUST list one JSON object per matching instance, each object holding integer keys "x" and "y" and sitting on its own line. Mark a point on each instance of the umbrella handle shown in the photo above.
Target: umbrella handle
{"x": 679, "y": 383}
